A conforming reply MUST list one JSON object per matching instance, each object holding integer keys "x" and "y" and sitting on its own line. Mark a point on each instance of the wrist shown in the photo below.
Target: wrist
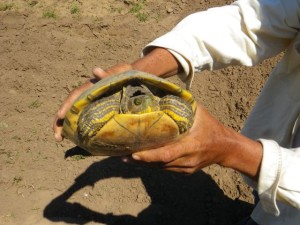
{"x": 242, "y": 154}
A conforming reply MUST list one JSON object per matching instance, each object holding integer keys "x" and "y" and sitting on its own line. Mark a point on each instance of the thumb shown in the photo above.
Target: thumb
{"x": 99, "y": 73}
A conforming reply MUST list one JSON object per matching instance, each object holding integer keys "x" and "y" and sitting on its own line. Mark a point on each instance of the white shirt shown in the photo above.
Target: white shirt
{"x": 245, "y": 33}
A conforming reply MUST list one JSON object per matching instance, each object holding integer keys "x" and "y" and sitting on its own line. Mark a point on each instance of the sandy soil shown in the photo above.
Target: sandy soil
{"x": 47, "y": 49}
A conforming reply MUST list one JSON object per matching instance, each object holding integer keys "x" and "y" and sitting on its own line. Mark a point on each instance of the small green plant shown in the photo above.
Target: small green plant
{"x": 6, "y": 6}
{"x": 10, "y": 215}
{"x": 3, "y": 125}
{"x": 35, "y": 104}
{"x": 74, "y": 9}
{"x": 78, "y": 157}
{"x": 49, "y": 14}
{"x": 118, "y": 9}
{"x": 34, "y": 131}
{"x": 136, "y": 9}
{"x": 142, "y": 17}
{"x": 79, "y": 83}
{"x": 157, "y": 17}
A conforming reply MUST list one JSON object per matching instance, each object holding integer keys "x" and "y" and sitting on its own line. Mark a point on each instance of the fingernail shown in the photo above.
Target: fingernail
{"x": 136, "y": 157}
{"x": 57, "y": 137}
{"x": 125, "y": 159}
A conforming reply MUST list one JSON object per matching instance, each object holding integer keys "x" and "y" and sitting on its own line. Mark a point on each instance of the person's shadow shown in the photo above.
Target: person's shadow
{"x": 175, "y": 198}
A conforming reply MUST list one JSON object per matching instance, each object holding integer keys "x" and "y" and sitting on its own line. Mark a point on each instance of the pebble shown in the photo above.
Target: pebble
{"x": 170, "y": 10}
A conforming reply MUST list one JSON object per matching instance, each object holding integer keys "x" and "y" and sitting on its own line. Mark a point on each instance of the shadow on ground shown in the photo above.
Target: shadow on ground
{"x": 175, "y": 198}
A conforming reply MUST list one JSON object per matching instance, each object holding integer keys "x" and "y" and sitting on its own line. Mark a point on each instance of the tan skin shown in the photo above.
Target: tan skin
{"x": 208, "y": 142}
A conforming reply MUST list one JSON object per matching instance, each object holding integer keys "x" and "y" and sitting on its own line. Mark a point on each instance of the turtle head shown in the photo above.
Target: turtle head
{"x": 138, "y": 99}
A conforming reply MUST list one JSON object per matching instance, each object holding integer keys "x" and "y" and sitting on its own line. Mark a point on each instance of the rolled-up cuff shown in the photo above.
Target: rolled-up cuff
{"x": 185, "y": 49}
{"x": 269, "y": 176}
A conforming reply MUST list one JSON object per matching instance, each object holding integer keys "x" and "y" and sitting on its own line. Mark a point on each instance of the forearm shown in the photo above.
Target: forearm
{"x": 158, "y": 61}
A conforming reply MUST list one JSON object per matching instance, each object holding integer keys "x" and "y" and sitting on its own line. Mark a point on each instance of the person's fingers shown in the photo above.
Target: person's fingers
{"x": 130, "y": 160}
{"x": 163, "y": 154}
{"x": 187, "y": 161}
{"x": 64, "y": 108}
{"x": 99, "y": 73}
{"x": 179, "y": 165}
{"x": 57, "y": 128}
{"x": 180, "y": 169}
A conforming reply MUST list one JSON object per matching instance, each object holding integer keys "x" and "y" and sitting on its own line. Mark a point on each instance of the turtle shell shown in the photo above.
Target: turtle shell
{"x": 129, "y": 112}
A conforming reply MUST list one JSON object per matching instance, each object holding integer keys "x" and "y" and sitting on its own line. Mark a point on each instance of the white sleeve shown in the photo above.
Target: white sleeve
{"x": 243, "y": 33}
{"x": 279, "y": 177}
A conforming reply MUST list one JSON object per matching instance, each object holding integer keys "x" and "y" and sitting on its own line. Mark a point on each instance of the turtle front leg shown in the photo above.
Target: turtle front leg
{"x": 96, "y": 115}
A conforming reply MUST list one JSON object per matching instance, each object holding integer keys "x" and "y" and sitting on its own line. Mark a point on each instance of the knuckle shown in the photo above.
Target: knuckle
{"x": 166, "y": 156}
{"x": 59, "y": 115}
{"x": 193, "y": 163}
{"x": 190, "y": 166}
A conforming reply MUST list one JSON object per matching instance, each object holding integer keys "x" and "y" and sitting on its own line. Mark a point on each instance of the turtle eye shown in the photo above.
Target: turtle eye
{"x": 137, "y": 101}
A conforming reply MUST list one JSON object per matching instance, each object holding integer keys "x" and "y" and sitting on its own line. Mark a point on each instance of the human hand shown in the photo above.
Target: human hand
{"x": 74, "y": 94}
{"x": 192, "y": 151}
{"x": 208, "y": 142}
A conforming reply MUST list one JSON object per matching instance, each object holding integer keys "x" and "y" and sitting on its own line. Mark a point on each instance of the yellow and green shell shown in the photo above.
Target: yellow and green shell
{"x": 129, "y": 112}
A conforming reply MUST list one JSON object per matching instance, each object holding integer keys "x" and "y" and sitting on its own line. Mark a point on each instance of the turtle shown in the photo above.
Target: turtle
{"x": 128, "y": 112}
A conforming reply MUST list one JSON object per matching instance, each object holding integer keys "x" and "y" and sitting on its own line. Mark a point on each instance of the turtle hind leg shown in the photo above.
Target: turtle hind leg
{"x": 179, "y": 110}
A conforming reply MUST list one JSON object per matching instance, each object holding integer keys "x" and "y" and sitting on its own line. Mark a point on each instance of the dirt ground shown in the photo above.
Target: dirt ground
{"x": 49, "y": 47}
